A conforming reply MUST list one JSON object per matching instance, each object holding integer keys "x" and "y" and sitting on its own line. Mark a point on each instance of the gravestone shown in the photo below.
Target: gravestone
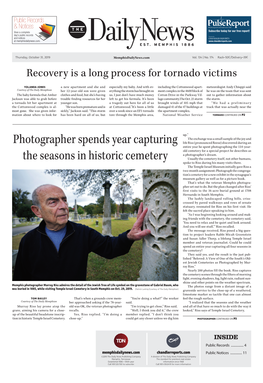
{"x": 76, "y": 211}
{"x": 106, "y": 221}
{"x": 125, "y": 216}
{"x": 160, "y": 248}
{"x": 16, "y": 221}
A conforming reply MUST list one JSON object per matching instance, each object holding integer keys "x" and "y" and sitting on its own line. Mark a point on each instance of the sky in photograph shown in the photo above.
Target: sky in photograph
{"x": 28, "y": 180}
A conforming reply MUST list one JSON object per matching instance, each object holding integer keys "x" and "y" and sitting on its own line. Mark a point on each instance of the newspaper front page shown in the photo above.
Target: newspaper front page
{"x": 169, "y": 93}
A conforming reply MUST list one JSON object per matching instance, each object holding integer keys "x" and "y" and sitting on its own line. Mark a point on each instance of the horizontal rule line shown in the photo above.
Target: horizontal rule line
{"x": 132, "y": 124}
{"x": 223, "y": 112}
{"x": 217, "y": 316}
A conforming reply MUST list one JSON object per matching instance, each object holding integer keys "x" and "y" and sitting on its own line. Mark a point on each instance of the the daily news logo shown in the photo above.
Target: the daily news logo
{"x": 121, "y": 340}
{"x": 146, "y": 32}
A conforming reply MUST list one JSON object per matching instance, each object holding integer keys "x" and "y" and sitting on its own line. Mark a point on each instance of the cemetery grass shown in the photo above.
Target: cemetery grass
{"x": 124, "y": 268}
{"x": 16, "y": 240}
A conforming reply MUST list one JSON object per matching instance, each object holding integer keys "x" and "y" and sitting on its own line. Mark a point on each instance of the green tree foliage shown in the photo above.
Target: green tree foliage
{"x": 24, "y": 211}
{"x": 99, "y": 205}
{"x": 90, "y": 180}
{"x": 135, "y": 204}
{"x": 90, "y": 208}
{"x": 123, "y": 193}
{"x": 81, "y": 210}
{"x": 127, "y": 208}
{"x": 19, "y": 198}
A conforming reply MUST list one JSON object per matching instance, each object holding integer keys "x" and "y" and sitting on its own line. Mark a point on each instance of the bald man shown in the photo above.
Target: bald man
{"x": 57, "y": 250}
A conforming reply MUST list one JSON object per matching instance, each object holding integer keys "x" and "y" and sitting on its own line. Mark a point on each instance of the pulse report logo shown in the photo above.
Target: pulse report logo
{"x": 228, "y": 29}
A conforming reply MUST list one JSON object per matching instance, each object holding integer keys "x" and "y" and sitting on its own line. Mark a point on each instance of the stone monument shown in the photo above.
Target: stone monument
{"x": 76, "y": 211}
{"x": 16, "y": 221}
{"x": 160, "y": 248}
{"x": 106, "y": 221}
